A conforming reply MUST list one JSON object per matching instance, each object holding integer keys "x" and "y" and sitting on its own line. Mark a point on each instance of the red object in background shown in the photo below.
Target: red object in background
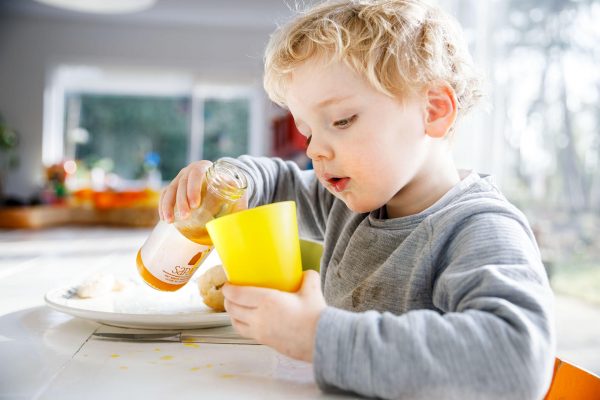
{"x": 287, "y": 140}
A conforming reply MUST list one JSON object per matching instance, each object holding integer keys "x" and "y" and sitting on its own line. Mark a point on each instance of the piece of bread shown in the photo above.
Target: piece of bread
{"x": 96, "y": 285}
{"x": 210, "y": 284}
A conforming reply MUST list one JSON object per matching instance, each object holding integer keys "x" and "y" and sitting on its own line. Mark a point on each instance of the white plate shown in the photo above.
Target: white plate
{"x": 140, "y": 306}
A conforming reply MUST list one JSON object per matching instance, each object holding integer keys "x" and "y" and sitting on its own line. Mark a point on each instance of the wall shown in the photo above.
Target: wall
{"x": 30, "y": 47}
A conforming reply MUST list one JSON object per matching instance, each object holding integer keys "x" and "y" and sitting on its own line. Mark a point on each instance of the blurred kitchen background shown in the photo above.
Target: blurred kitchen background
{"x": 100, "y": 109}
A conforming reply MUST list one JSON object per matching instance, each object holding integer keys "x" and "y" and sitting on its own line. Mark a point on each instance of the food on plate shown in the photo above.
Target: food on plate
{"x": 99, "y": 285}
{"x": 210, "y": 285}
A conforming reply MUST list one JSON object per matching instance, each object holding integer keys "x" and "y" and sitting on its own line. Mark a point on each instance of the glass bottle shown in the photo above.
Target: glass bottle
{"x": 173, "y": 252}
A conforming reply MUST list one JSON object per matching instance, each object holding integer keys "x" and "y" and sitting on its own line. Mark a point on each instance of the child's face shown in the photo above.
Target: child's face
{"x": 365, "y": 146}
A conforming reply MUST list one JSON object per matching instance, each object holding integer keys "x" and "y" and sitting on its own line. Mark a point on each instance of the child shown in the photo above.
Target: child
{"x": 432, "y": 284}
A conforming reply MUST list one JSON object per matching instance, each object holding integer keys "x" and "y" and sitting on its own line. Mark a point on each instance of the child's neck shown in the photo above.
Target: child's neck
{"x": 426, "y": 188}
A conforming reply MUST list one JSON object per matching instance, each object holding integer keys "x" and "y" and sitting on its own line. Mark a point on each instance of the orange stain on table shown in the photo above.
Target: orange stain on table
{"x": 115, "y": 355}
{"x": 227, "y": 376}
{"x": 166, "y": 358}
{"x": 199, "y": 368}
{"x": 193, "y": 345}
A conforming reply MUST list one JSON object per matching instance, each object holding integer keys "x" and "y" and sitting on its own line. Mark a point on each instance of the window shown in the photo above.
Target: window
{"x": 226, "y": 125}
{"x": 134, "y": 132}
{"x": 130, "y": 123}
{"x": 540, "y": 137}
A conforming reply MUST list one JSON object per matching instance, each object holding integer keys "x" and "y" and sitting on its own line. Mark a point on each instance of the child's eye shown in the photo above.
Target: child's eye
{"x": 344, "y": 123}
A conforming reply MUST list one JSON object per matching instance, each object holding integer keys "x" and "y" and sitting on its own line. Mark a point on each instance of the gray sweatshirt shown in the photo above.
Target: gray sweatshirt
{"x": 449, "y": 303}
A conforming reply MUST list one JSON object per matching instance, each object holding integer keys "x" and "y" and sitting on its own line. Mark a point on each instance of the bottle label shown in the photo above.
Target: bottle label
{"x": 171, "y": 257}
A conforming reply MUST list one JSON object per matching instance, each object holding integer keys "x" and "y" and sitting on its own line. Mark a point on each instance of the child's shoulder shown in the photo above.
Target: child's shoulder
{"x": 480, "y": 225}
{"x": 477, "y": 199}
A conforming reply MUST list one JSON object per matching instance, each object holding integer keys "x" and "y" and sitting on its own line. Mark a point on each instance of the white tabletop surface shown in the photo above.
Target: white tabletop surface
{"x": 46, "y": 354}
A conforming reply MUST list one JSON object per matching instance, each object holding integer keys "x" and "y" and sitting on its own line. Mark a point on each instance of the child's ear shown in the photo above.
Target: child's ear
{"x": 440, "y": 110}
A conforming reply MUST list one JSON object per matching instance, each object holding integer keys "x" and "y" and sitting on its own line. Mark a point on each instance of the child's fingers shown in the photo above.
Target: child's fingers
{"x": 161, "y": 203}
{"x": 167, "y": 201}
{"x": 241, "y": 327}
{"x": 183, "y": 207}
{"x": 311, "y": 282}
{"x": 194, "y": 185}
{"x": 238, "y": 311}
{"x": 160, "y": 200}
{"x": 241, "y": 318}
{"x": 247, "y": 296}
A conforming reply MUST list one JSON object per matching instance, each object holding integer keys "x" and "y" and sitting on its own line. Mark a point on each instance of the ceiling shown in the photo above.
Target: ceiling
{"x": 260, "y": 14}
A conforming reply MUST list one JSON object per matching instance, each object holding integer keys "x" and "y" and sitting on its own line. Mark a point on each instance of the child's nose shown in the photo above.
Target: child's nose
{"x": 318, "y": 149}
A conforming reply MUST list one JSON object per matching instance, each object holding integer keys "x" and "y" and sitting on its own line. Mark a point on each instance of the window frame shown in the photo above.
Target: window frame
{"x": 87, "y": 79}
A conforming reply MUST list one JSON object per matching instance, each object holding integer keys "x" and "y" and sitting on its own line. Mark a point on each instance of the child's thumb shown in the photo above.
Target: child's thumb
{"x": 311, "y": 282}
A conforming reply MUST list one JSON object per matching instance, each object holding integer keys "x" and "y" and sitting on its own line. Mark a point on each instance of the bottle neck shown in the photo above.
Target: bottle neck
{"x": 226, "y": 180}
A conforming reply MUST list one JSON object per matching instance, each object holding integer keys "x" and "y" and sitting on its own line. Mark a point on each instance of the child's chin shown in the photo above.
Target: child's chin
{"x": 350, "y": 200}
{"x": 359, "y": 208}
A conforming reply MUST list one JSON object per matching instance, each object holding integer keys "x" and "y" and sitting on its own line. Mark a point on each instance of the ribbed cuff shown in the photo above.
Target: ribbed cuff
{"x": 333, "y": 344}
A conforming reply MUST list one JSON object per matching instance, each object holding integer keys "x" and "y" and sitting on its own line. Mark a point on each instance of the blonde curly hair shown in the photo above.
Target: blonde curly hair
{"x": 399, "y": 46}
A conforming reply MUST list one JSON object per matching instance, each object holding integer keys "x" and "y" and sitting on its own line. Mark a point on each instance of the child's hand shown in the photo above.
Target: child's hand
{"x": 284, "y": 321}
{"x": 184, "y": 191}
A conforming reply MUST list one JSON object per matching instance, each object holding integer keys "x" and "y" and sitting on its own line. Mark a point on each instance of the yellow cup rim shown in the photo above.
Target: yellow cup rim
{"x": 276, "y": 204}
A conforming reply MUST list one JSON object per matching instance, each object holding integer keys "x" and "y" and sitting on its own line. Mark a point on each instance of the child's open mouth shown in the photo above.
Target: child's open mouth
{"x": 339, "y": 184}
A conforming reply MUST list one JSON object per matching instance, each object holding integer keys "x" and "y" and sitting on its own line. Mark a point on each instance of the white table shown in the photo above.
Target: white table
{"x": 45, "y": 354}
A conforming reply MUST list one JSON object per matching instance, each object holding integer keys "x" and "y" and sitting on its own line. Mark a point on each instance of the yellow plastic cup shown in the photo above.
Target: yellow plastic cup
{"x": 311, "y": 253}
{"x": 260, "y": 246}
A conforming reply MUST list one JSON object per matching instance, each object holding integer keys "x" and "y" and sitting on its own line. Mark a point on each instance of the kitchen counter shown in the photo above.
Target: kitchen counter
{"x": 43, "y": 216}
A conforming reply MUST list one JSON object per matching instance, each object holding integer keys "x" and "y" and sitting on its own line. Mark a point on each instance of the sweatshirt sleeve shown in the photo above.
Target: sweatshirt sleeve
{"x": 273, "y": 179}
{"x": 491, "y": 338}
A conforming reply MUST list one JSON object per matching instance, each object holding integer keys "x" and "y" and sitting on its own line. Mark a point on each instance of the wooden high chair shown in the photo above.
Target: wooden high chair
{"x": 572, "y": 383}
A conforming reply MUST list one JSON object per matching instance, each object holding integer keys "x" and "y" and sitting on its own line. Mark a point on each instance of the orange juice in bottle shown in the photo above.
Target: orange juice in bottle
{"x": 173, "y": 252}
